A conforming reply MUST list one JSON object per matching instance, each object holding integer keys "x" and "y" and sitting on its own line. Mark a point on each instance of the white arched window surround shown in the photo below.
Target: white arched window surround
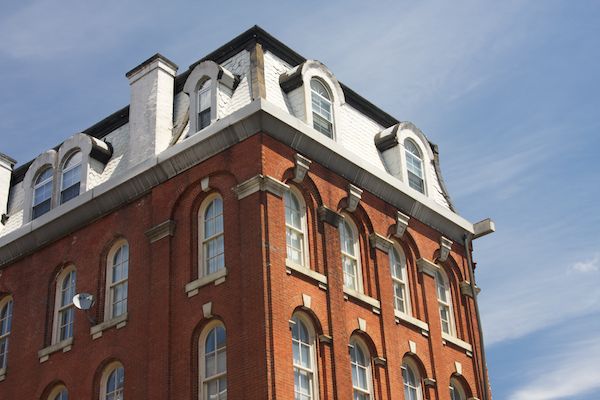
{"x": 64, "y": 310}
{"x": 457, "y": 391}
{"x": 411, "y": 380}
{"x": 6, "y": 313}
{"x": 399, "y": 271}
{"x": 351, "y": 254}
{"x": 211, "y": 235}
{"x": 43, "y": 188}
{"x": 212, "y": 362}
{"x": 304, "y": 356}
{"x": 219, "y": 77}
{"x": 112, "y": 383}
{"x": 117, "y": 280}
{"x": 70, "y": 177}
{"x": 360, "y": 364}
{"x": 322, "y": 107}
{"x": 59, "y": 392}
{"x": 444, "y": 296}
{"x": 297, "y": 250}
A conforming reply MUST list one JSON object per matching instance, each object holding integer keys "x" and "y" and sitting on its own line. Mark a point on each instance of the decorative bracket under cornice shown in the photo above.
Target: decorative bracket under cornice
{"x": 260, "y": 183}
{"x": 302, "y": 166}
{"x": 401, "y": 224}
{"x": 161, "y": 230}
{"x": 354, "y": 194}
{"x": 445, "y": 247}
{"x": 380, "y": 242}
{"x": 467, "y": 290}
{"x": 329, "y": 216}
{"x": 427, "y": 267}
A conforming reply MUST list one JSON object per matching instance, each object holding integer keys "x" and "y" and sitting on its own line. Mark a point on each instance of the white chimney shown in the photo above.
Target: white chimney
{"x": 151, "y": 108}
{"x": 6, "y": 169}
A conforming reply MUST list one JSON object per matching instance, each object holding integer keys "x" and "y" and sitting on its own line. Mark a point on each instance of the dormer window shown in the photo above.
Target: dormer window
{"x": 71, "y": 178}
{"x": 204, "y": 100}
{"x": 42, "y": 193}
{"x": 321, "y": 108}
{"x": 414, "y": 166}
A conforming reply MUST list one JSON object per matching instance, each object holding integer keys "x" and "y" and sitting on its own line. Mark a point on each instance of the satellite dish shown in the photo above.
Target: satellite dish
{"x": 83, "y": 301}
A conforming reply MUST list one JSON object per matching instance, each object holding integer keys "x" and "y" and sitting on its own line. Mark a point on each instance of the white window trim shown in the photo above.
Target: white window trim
{"x": 202, "y": 267}
{"x": 447, "y": 304}
{"x": 64, "y": 170}
{"x": 105, "y": 375}
{"x": 355, "y": 341}
{"x": 424, "y": 164}
{"x": 3, "y": 303}
{"x": 330, "y": 100}
{"x": 58, "y": 308}
{"x": 403, "y": 281}
{"x": 201, "y": 357}
{"x": 109, "y": 293}
{"x": 357, "y": 256}
{"x": 312, "y": 337}
{"x": 303, "y": 226}
{"x": 56, "y": 391}
{"x": 456, "y": 385}
{"x": 417, "y": 373}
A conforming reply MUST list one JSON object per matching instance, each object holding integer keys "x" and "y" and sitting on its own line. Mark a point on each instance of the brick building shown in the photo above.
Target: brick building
{"x": 250, "y": 228}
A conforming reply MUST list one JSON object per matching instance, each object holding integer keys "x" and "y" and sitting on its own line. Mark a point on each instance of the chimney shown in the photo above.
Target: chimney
{"x": 6, "y": 169}
{"x": 151, "y": 108}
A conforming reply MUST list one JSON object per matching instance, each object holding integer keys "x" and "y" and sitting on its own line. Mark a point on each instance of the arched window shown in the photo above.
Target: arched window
{"x": 444, "y": 302}
{"x": 59, "y": 393}
{"x": 112, "y": 384}
{"x": 42, "y": 193}
{"x": 457, "y": 392}
{"x": 295, "y": 228}
{"x": 64, "y": 311}
{"x": 211, "y": 236}
{"x": 213, "y": 362}
{"x": 204, "y": 100}
{"x": 6, "y": 306}
{"x": 414, "y": 166}
{"x": 71, "y": 178}
{"x": 350, "y": 255}
{"x": 305, "y": 366}
{"x": 116, "y": 280}
{"x": 322, "y": 110}
{"x": 411, "y": 381}
{"x": 400, "y": 281}
{"x": 360, "y": 363}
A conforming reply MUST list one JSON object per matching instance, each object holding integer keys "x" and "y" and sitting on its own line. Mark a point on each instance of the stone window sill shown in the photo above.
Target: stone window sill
{"x": 457, "y": 342}
{"x": 412, "y": 321}
{"x": 65, "y": 345}
{"x": 291, "y": 266}
{"x": 119, "y": 322}
{"x": 363, "y": 298}
{"x": 217, "y": 277}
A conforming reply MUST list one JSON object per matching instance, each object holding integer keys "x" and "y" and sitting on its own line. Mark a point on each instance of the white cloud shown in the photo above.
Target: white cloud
{"x": 591, "y": 265}
{"x": 572, "y": 371}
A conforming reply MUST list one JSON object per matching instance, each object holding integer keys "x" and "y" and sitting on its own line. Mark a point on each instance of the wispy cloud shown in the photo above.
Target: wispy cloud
{"x": 572, "y": 370}
{"x": 591, "y": 265}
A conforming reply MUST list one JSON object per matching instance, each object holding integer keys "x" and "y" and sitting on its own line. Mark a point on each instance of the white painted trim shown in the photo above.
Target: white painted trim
{"x": 109, "y": 284}
{"x": 411, "y": 320}
{"x": 57, "y": 300}
{"x": 293, "y": 191}
{"x": 217, "y": 277}
{"x": 65, "y": 346}
{"x": 99, "y": 328}
{"x": 105, "y": 374}
{"x": 202, "y": 267}
{"x": 376, "y": 304}
{"x": 312, "y": 336}
{"x": 306, "y": 272}
{"x": 201, "y": 354}
{"x": 457, "y": 342}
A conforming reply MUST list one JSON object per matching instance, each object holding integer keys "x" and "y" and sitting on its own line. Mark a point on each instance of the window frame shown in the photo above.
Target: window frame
{"x": 202, "y": 240}
{"x": 347, "y": 220}
{"x": 447, "y": 304}
{"x": 58, "y": 391}
{"x": 303, "y": 230}
{"x": 110, "y": 285}
{"x": 299, "y": 317}
{"x": 65, "y": 169}
{"x": 321, "y": 98}
{"x": 357, "y": 343}
{"x": 205, "y": 86}
{"x": 409, "y": 364}
{"x": 106, "y": 374}
{"x": 402, "y": 281}
{"x": 421, "y": 158}
{"x": 202, "y": 378}
{"x": 8, "y": 303}
{"x": 38, "y": 185}
{"x": 59, "y": 308}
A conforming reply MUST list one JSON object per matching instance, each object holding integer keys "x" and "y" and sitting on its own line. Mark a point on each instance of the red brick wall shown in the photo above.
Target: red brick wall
{"x": 159, "y": 345}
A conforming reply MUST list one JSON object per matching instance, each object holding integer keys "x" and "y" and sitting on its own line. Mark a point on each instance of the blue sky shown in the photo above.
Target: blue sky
{"x": 509, "y": 90}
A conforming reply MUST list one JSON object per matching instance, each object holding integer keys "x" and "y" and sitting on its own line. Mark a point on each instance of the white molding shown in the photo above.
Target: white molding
{"x": 412, "y": 346}
{"x": 262, "y": 183}
{"x": 291, "y": 266}
{"x": 64, "y": 345}
{"x": 205, "y": 184}
{"x": 380, "y": 361}
{"x": 362, "y": 325}
{"x": 458, "y": 368}
{"x": 207, "y": 310}
{"x": 411, "y": 320}
{"x": 364, "y": 298}
{"x": 162, "y": 230}
{"x": 457, "y": 342}
{"x": 380, "y": 242}
{"x": 306, "y": 300}
{"x": 301, "y": 168}
{"x": 119, "y": 322}
{"x": 217, "y": 277}
{"x": 401, "y": 224}
{"x": 467, "y": 290}
{"x": 427, "y": 267}
{"x": 445, "y": 248}
{"x": 354, "y": 195}
{"x": 429, "y": 382}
